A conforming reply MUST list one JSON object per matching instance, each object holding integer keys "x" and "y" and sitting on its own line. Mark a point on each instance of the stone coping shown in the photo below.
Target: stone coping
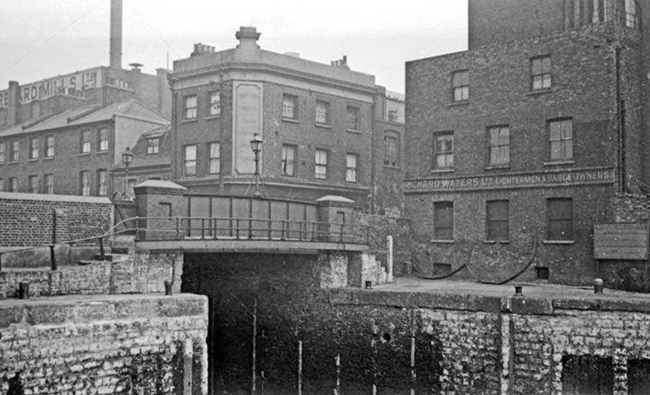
{"x": 54, "y": 198}
{"x": 468, "y": 296}
{"x": 89, "y": 308}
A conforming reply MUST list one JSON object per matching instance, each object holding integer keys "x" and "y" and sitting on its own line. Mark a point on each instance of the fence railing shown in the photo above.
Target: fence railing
{"x": 211, "y": 228}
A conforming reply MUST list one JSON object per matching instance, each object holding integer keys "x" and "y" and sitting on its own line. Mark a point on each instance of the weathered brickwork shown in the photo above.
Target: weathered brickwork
{"x": 138, "y": 273}
{"x": 252, "y": 84}
{"x": 98, "y": 345}
{"x": 601, "y": 94}
{"x": 492, "y": 345}
{"x": 630, "y": 208}
{"x": 28, "y": 219}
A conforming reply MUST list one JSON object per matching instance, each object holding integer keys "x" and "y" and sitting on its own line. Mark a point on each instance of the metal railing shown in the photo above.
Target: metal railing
{"x": 222, "y": 228}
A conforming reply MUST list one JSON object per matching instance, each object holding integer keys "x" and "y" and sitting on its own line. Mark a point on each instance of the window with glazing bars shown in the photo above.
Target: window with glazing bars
{"x": 499, "y": 145}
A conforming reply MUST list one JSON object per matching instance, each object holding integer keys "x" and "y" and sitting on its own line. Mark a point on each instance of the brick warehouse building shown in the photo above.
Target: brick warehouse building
{"x": 529, "y": 135}
{"x": 73, "y": 152}
{"x": 326, "y": 130}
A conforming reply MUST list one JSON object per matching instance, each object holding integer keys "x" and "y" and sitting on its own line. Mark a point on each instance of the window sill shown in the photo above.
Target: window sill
{"x": 392, "y": 167}
{"x": 323, "y": 126}
{"x": 540, "y": 92}
{"x": 48, "y": 158}
{"x": 496, "y": 241}
{"x": 442, "y": 241}
{"x": 211, "y": 117}
{"x": 188, "y": 120}
{"x": 353, "y": 131}
{"x": 442, "y": 171}
{"x": 290, "y": 120}
{"x": 560, "y": 163}
{"x": 458, "y": 103}
{"x": 496, "y": 167}
{"x": 84, "y": 154}
{"x": 558, "y": 242}
{"x": 101, "y": 152}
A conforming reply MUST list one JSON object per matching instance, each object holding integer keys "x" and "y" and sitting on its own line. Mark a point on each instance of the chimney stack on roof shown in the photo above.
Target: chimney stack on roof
{"x": 116, "y": 35}
{"x": 200, "y": 49}
{"x": 247, "y": 37}
{"x": 341, "y": 63}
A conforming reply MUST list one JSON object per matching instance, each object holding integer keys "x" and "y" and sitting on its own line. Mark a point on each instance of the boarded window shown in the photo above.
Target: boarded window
{"x": 443, "y": 220}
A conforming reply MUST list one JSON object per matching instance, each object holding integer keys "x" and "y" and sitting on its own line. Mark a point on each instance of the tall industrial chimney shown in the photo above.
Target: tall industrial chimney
{"x": 116, "y": 34}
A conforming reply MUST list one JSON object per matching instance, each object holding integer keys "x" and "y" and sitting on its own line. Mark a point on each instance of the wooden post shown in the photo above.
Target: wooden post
{"x": 187, "y": 367}
{"x": 254, "y": 363}
{"x": 413, "y": 373}
{"x": 52, "y": 257}
{"x": 102, "y": 256}
{"x": 337, "y": 391}
{"x": 299, "y": 367}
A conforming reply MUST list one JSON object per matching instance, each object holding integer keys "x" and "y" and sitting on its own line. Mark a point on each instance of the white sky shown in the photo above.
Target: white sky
{"x": 43, "y": 38}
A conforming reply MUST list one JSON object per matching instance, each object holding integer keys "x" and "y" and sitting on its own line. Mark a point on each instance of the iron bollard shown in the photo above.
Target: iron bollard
{"x": 168, "y": 287}
{"x": 519, "y": 290}
{"x": 598, "y": 286}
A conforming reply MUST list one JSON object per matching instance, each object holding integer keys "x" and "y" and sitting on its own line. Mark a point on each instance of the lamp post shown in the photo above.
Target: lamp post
{"x": 256, "y": 146}
{"x": 127, "y": 158}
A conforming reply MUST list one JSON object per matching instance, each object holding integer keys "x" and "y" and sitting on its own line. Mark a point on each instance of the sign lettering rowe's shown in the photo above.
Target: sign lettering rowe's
{"x": 570, "y": 177}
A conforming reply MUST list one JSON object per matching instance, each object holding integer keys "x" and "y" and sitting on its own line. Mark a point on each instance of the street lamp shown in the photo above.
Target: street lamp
{"x": 256, "y": 146}
{"x": 127, "y": 158}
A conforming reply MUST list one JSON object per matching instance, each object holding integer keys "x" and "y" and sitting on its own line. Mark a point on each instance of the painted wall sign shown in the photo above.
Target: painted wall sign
{"x": 507, "y": 181}
{"x": 621, "y": 241}
{"x": 248, "y": 121}
{"x": 64, "y": 84}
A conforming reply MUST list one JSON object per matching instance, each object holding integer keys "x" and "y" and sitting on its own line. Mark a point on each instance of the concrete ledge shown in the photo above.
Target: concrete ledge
{"x": 484, "y": 303}
{"x": 78, "y": 309}
{"x": 54, "y": 198}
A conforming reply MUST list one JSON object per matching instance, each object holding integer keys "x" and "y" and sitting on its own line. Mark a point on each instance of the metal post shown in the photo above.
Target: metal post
{"x": 202, "y": 228}
{"x": 237, "y": 224}
{"x": 389, "y": 259}
{"x": 337, "y": 391}
{"x": 52, "y": 258}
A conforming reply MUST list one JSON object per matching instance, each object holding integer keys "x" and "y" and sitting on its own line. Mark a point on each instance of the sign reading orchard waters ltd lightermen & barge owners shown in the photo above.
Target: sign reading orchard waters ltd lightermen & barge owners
{"x": 507, "y": 181}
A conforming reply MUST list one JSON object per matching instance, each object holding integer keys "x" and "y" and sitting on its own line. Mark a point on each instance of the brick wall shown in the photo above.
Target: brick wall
{"x": 139, "y": 273}
{"x": 100, "y": 345}
{"x": 490, "y": 345}
{"x": 631, "y": 208}
{"x": 28, "y": 219}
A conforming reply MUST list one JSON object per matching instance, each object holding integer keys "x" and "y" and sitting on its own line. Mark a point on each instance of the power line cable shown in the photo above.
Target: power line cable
{"x": 49, "y": 39}
{"x": 154, "y": 30}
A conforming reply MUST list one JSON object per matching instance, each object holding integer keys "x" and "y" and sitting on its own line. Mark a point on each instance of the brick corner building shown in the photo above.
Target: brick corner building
{"x": 326, "y": 130}
{"x": 528, "y": 136}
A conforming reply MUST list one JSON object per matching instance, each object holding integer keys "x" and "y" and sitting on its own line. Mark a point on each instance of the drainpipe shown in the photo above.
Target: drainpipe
{"x": 619, "y": 122}
{"x": 389, "y": 259}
